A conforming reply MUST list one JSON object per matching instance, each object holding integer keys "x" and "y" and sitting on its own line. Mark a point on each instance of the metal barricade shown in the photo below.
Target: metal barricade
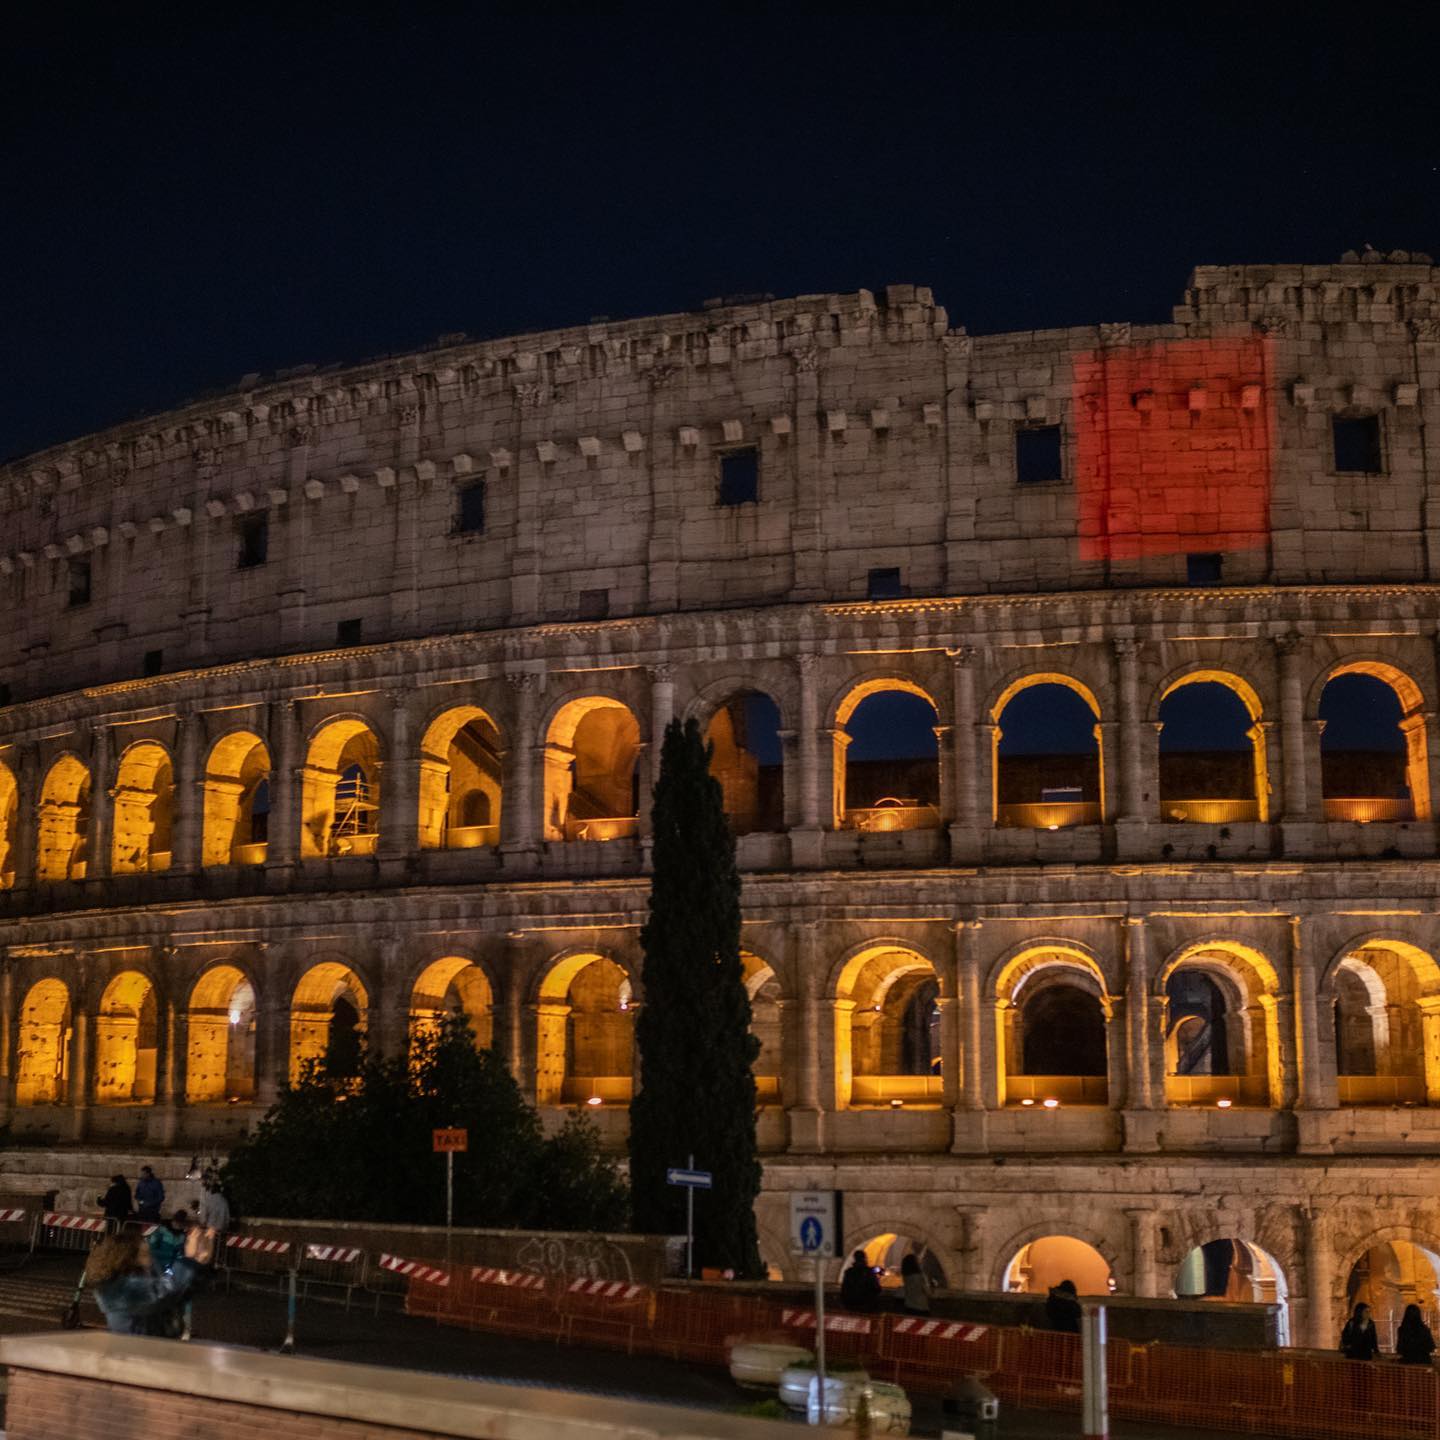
{"x": 418, "y": 1283}
{"x": 61, "y": 1231}
{"x": 252, "y": 1259}
{"x": 331, "y": 1267}
{"x": 18, "y": 1228}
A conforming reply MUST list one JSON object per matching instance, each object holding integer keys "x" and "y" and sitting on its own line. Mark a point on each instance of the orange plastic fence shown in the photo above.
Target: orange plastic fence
{"x": 1296, "y": 1395}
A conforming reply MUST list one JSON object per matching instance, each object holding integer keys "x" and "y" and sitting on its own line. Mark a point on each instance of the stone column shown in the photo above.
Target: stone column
{"x": 1430, "y": 1045}
{"x": 520, "y": 802}
{"x": 272, "y": 1023}
{"x": 25, "y": 830}
{"x": 807, "y": 840}
{"x": 1132, "y": 747}
{"x": 1296, "y": 799}
{"x": 1143, "y": 1276}
{"x": 400, "y": 784}
{"x": 968, "y": 1133}
{"x": 283, "y": 838}
{"x": 662, "y": 711}
{"x": 189, "y": 799}
{"x": 1118, "y": 1079}
{"x": 945, "y": 770}
{"x": 949, "y": 1007}
{"x": 965, "y": 839}
{"x": 170, "y": 1065}
{"x": 972, "y": 1254}
{"x": 1307, "y": 1021}
{"x": 7, "y": 1040}
{"x": 97, "y": 837}
{"x": 80, "y": 1070}
{"x": 806, "y": 1116}
{"x": 1137, "y": 989}
{"x": 514, "y": 1031}
{"x": 1321, "y": 1332}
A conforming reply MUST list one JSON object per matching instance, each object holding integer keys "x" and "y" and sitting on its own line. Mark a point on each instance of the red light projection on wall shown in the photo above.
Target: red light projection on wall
{"x": 1173, "y": 448}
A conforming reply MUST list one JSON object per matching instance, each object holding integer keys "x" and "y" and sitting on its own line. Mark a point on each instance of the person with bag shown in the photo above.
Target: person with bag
{"x": 134, "y": 1299}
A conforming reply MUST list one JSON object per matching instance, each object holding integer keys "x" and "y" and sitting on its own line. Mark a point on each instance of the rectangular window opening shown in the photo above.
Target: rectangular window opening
{"x": 153, "y": 663}
{"x": 1357, "y": 444}
{"x": 254, "y": 537}
{"x": 5, "y": 694}
{"x": 79, "y": 583}
{"x": 740, "y": 477}
{"x": 1203, "y": 569}
{"x": 348, "y": 632}
{"x": 885, "y": 584}
{"x": 470, "y": 509}
{"x": 594, "y": 604}
{"x": 1037, "y": 454}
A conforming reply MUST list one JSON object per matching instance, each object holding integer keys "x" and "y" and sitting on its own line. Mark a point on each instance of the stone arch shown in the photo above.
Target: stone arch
{"x": 220, "y": 1040}
{"x": 43, "y": 1052}
{"x": 585, "y": 1030}
{"x": 329, "y": 1014}
{"x": 1182, "y": 771}
{"x": 126, "y": 1040}
{"x": 143, "y": 813}
{"x": 1340, "y": 805}
{"x": 461, "y": 779}
{"x": 887, "y": 1042}
{"x": 1055, "y": 788}
{"x": 63, "y": 814}
{"x": 1005, "y": 690}
{"x": 901, "y": 1234}
{"x": 747, "y": 759}
{"x": 885, "y": 792}
{"x": 236, "y": 800}
{"x": 340, "y": 788}
{"x": 592, "y": 780}
{"x": 704, "y": 703}
{"x": 9, "y": 818}
{"x": 1010, "y": 1249}
{"x": 1248, "y": 1271}
{"x": 1417, "y": 1235}
{"x": 762, "y": 985}
{"x": 452, "y": 984}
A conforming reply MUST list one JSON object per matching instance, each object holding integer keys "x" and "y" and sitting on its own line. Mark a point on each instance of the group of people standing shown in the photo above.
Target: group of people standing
{"x": 1414, "y": 1344}
{"x": 860, "y": 1287}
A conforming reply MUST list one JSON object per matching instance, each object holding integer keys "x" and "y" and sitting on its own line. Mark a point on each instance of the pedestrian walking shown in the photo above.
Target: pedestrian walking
{"x": 916, "y": 1287}
{"x": 1062, "y": 1308}
{"x": 859, "y": 1285}
{"x": 132, "y": 1296}
{"x": 149, "y": 1195}
{"x": 214, "y": 1209}
{"x": 1414, "y": 1344}
{"x": 115, "y": 1202}
{"x": 1358, "y": 1339}
{"x": 167, "y": 1241}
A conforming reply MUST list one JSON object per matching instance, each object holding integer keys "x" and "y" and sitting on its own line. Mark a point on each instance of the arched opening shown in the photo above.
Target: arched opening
{"x": 1212, "y": 752}
{"x": 328, "y": 1015}
{"x": 340, "y": 792}
{"x": 592, "y": 784}
{"x": 1047, "y": 761}
{"x": 1374, "y": 761}
{"x": 886, "y": 1253}
{"x": 236, "y": 826}
{"x": 887, "y": 1030}
{"x": 764, "y": 991}
{"x": 1235, "y": 1270}
{"x": 1053, "y": 1016}
{"x": 1042, "y": 1264}
{"x": 1222, "y": 1045}
{"x": 746, "y": 759}
{"x": 1390, "y": 1276}
{"x": 1386, "y": 1007}
{"x": 460, "y": 781}
{"x": 887, "y": 759}
{"x": 9, "y": 814}
{"x": 586, "y": 1034}
{"x": 220, "y": 1052}
{"x": 126, "y": 1042}
{"x": 452, "y": 986}
{"x": 42, "y": 1075}
{"x": 64, "y": 816}
{"x": 144, "y": 810}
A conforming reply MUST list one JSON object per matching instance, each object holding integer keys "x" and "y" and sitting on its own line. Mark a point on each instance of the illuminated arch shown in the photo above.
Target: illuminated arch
{"x": 64, "y": 816}
{"x": 1390, "y": 1274}
{"x": 340, "y": 789}
{"x": 1056, "y": 795}
{"x": 1248, "y": 1273}
{"x": 871, "y": 803}
{"x": 585, "y": 1031}
{"x": 461, "y": 782}
{"x": 855, "y": 692}
{"x": 220, "y": 1047}
{"x": 763, "y": 987}
{"x": 887, "y": 1042}
{"x": 42, "y": 1073}
{"x": 1218, "y": 809}
{"x": 329, "y": 1011}
{"x": 592, "y": 746}
{"x": 1412, "y": 729}
{"x": 1029, "y": 679}
{"x": 1009, "y": 1253}
{"x": 453, "y": 985}
{"x": 236, "y": 815}
{"x": 126, "y": 1041}
{"x": 775, "y": 685}
{"x": 886, "y": 1242}
{"x": 9, "y": 816}
{"x": 144, "y": 809}
{"x": 752, "y": 787}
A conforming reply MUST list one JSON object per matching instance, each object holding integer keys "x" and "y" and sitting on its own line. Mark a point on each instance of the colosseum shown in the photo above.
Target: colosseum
{"x": 1073, "y": 694}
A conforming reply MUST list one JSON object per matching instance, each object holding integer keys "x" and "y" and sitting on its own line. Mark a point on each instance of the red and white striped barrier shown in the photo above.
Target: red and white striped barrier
{"x": 414, "y": 1270}
{"x": 336, "y": 1254}
{"x": 256, "y": 1243}
{"x": 521, "y": 1280}
{"x": 6, "y": 1216}
{"x": 610, "y": 1289}
{"x": 58, "y": 1220}
{"x": 939, "y": 1329}
{"x": 838, "y": 1324}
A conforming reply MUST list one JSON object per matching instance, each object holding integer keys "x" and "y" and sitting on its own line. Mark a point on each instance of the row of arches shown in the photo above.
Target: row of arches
{"x": 1047, "y": 771}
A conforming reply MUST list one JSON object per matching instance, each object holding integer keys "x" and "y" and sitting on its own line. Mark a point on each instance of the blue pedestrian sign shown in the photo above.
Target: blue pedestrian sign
{"x": 815, "y": 1224}
{"x": 690, "y": 1179}
{"x": 811, "y": 1234}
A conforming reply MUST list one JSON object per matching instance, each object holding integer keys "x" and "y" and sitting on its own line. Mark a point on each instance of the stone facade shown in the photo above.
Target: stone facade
{"x": 303, "y": 732}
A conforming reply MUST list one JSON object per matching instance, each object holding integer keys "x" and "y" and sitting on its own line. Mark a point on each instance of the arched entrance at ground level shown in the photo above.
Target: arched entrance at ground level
{"x": 585, "y": 1034}
{"x": 452, "y": 986}
{"x": 747, "y": 761}
{"x": 886, "y": 758}
{"x": 592, "y": 784}
{"x": 764, "y": 991}
{"x": 1390, "y": 1276}
{"x": 1386, "y": 1006}
{"x": 144, "y": 797}
{"x": 1374, "y": 762}
{"x": 1053, "y": 1018}
{"x": 327, "y": 1020}
{"x": 460, "y": 781}
{"x": 43, "y": 1062}
{"x": 1048, "y": 767}
{"x": 126, "y": 1035}
{"x": 887, "y": 1029}
{"x": 1042, "y": 1264}
{"x": 340, "y": 791}
{"x": 886, "y": 1253}
{"x": 236, "y": 825}
{"x": 1212, "y": 751}
{"x": 64, "y": 820}
{"x": 220, "y": 1049}
{"x": 1230, "y": 1269}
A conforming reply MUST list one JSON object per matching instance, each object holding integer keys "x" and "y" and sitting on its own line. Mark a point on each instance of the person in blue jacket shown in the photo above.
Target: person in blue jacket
{"x": 167, "y": 1241}
{"x": 132, "y": 1296}
{"x": 149, "y": 1195}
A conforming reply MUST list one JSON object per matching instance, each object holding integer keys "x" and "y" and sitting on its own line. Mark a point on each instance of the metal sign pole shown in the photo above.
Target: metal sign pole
{"x": 449, "y": 1199}
{"x": 1095, "y": 1420}
{"x": 690, "y": 1227}
{"x": 820, "y": 1337}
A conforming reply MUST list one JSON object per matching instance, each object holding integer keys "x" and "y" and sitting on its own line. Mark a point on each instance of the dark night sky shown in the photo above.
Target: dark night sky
{"x": 191, "y": 197}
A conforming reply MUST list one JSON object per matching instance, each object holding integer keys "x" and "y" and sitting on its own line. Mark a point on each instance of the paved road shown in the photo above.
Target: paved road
{"x": 32, "y": 1299}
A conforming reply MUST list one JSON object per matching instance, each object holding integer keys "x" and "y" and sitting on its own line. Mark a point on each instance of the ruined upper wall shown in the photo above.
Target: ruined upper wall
{"x": 886, "y": 441}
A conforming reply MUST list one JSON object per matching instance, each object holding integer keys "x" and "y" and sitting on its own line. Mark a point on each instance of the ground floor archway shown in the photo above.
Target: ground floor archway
{"x": 1388, "y": 1277}
{"x": 1236, "y": 1270}
{"x": 1037, "y": 1267}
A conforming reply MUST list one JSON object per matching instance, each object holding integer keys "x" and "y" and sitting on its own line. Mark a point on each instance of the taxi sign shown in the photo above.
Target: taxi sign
{"x": 451, "y": 1142}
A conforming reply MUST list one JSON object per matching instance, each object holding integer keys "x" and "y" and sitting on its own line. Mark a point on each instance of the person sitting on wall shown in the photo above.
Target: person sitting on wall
{"x": 1358, "y": 1340}
{"x": 134, "y": 1299}
{"x": 1062, "y": 1308}
{"x": 115, "y": 1202}
{"x": 859, "y": 1285}
{"x": 1414, "y": 1344}
{"x": 149, "y": 1195}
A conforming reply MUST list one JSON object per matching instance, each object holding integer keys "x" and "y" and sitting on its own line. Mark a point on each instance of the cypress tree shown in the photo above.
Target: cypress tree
{"x": 697, "y": 1090}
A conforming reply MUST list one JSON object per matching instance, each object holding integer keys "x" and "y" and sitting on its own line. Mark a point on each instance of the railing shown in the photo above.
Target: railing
{"x": 1381, "y": 1089}
{"x": 1067, "y": 1089}
{"x": 1211, "y": 1089}
{"x": 471, "y": 837}
{"x": 1054, "y": 815}
{"x": 882, "y": 1089}
{"x": 608, "y": 1089}
{"x": 604, "y": 827}
{"x": 1209, "y": 812}
{"x": 881, "y": 818}
{"x": 1367, "y": 809}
